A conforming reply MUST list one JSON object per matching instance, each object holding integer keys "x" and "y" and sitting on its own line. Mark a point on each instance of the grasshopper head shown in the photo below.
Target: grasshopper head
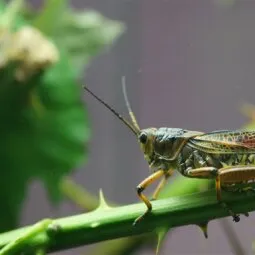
{"x": 159, "y": 145}
{"x": 146, "y": 139}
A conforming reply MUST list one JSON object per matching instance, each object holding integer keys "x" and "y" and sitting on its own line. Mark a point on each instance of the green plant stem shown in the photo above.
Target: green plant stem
{"x": 16, "y": 245}
{"x": 105, "y": 224}
{"x": 124, "y": 246}
{"x": 87, "y": 201}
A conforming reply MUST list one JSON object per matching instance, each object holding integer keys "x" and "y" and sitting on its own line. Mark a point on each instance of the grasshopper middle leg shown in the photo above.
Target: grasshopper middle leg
{"x": 161, "y": 184}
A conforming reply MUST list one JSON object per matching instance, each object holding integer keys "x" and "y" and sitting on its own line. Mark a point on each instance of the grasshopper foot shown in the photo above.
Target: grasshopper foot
{"x": 236, "y": 217}
{"x": 140, "y": 218}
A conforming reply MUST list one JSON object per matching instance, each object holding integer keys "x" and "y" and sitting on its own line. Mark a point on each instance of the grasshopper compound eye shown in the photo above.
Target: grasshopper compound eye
{"x": 143, "y": 138}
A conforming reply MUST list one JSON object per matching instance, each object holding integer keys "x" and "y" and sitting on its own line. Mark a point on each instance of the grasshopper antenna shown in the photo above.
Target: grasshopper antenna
{"x": 131, "y": 114}
{"x": 129, "y": 125}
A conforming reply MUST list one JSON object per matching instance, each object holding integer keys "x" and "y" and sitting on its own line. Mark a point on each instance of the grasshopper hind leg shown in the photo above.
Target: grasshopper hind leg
{"x": 212, "y": 172}
{"x": 236, "y": 217}
{"x": 234, "y": 175}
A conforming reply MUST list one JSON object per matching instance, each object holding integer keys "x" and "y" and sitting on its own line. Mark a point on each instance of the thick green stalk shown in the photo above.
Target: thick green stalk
{"x": 109, "y": 223}
{"x": 16, "y": 245}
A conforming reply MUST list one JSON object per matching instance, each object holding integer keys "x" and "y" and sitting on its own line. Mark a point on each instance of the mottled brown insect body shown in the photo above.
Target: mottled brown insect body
{"x": 165, "y": 148}
{"x": 226, "y": 156}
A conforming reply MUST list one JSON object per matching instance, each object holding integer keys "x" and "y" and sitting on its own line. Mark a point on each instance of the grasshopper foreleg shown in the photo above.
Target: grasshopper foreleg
{"x": 141, "y": 187}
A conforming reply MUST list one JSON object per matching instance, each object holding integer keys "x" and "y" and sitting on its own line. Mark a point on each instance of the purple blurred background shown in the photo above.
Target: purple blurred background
{"x": 188, "y": 64}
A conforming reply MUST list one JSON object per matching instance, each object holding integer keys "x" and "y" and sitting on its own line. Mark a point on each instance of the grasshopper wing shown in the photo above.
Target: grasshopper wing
{"x": 225, "y": 142}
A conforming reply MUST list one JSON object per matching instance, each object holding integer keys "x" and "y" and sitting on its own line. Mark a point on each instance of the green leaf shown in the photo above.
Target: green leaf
{"x": 50, "y": 16}
{"x": 44, "y": 128}
{"x": 83, "y": 34}
{"x": 61, "y": 126}
{"x": 44, "y": 133}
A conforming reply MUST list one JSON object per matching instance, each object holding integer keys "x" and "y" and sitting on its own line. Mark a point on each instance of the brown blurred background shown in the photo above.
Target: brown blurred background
{"x": 188, "y": 64}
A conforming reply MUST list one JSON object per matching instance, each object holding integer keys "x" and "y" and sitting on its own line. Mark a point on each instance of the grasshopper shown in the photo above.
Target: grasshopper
{"x": 226, "y": 156}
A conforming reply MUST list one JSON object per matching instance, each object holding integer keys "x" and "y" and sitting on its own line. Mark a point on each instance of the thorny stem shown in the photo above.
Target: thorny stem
{"x": 17, "y": 244}
{"x": 105, "y": 224}
{"x": 85, "y": 200}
